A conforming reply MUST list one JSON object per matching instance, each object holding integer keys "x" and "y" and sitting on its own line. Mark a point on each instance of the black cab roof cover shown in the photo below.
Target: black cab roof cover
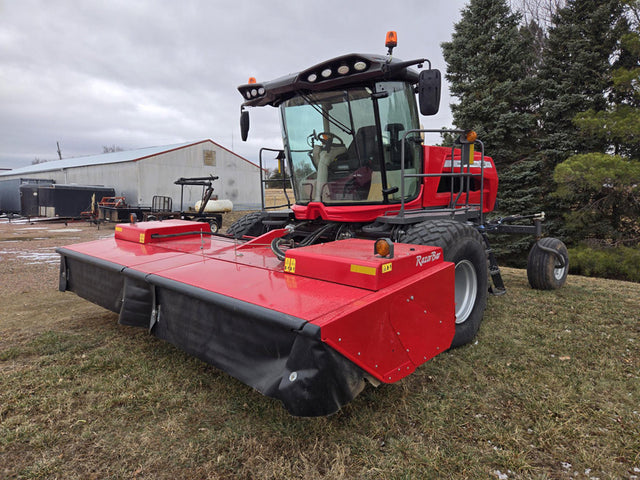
{"x": 351, "y": 69}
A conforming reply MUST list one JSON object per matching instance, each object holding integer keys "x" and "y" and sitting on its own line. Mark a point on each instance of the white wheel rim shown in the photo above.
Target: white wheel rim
{"x": 466, "y": 290}
{"x": 558, "y": 273}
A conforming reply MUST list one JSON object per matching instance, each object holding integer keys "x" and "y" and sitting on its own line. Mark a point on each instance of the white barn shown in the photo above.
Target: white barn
{"x": 140, "y": 174}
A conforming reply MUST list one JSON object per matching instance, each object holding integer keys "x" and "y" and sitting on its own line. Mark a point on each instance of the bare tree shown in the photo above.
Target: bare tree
{"x": 539, "y": 11}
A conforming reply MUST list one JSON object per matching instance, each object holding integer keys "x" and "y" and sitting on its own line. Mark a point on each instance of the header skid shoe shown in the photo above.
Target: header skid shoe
{"x": 308, "y": 330}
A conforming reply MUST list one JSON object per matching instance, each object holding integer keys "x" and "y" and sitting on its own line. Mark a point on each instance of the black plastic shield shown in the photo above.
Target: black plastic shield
{"x": 279, "y": 355}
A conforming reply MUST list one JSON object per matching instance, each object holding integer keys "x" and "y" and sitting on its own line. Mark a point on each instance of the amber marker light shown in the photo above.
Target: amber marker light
{"x": 383, "y": 247}
{"x": 252, "y": 80}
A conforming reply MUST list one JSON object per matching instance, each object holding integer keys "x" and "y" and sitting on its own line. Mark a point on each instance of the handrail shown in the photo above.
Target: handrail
{"x": 465, "y": 186}
{"x": 263, "y": 181}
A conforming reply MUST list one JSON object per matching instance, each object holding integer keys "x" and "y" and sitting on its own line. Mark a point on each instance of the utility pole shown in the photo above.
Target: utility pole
{"x": 59, "y": 152}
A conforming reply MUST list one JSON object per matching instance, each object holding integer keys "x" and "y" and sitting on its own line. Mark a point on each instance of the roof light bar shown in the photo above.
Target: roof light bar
{"x": 331, "y": 70}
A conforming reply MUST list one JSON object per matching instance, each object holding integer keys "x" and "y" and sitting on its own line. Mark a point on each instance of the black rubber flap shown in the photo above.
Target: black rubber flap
{"x": 279, "y": 355}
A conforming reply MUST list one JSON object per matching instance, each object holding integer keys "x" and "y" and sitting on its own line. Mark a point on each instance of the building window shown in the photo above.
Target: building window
{"x": 209, "y": 157}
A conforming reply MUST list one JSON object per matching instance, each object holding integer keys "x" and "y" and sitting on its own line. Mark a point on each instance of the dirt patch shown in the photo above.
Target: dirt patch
{"x": 28, "y": 260}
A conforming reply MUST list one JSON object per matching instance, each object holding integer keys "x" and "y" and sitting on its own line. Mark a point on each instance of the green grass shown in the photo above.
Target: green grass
{"x": 552, "y": 380}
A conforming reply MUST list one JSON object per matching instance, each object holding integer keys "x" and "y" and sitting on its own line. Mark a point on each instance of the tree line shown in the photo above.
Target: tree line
{"x": 553, "y": 89}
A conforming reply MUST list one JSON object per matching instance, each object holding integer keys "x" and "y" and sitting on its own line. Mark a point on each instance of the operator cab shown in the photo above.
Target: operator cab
{"x": 345, "y": 145}
{"x": 343, "y": 124}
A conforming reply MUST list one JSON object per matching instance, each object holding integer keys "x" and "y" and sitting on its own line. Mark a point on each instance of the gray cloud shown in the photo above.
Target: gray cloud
{"x": 145, "y": 73}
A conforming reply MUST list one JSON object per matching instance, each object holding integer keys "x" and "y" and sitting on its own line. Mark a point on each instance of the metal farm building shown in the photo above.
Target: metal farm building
{"x": 140, "y": 174}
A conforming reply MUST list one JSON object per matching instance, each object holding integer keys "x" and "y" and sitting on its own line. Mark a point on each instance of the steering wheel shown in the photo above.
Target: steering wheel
{"x": 329, "y": 139}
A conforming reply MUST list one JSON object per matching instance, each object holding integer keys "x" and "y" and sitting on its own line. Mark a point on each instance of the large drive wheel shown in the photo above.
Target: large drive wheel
{"x": 251, "y": 225}
{"x": 463, "y": 246}
{"x": 548, "y": 264}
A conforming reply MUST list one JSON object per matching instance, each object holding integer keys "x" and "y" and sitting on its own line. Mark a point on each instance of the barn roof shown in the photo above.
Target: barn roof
{"x": 105, "y": 158}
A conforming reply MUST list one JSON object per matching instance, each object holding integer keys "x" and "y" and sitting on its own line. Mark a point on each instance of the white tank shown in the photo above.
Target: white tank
{"x": 216, "y": 206}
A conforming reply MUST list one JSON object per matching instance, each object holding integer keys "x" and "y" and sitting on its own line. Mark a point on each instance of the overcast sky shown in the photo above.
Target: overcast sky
{"x": 140, "y": 73}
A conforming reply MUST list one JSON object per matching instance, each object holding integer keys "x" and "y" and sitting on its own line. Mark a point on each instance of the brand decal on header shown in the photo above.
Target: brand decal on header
{"x": 433, "y": 256}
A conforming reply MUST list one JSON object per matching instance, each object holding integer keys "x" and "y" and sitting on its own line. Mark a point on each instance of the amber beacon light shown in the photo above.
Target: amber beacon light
{"x": 392, "y": 39}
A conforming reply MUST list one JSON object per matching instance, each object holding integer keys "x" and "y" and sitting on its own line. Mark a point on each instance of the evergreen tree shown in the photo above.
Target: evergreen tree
{"x": 618, "y": 126}
{"x": 489, "y": 66}
{"x": 491, "y": 63}
{"x": 576, "y": 76}
{"x": 601, "y": 188}
{"x": 604, "y": 198}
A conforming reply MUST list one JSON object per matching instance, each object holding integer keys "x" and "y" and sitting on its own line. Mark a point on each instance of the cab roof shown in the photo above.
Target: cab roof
{"x": 346, "y": 70}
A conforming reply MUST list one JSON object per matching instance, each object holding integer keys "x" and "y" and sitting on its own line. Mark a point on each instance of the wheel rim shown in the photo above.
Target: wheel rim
{"x": 558, "y": 272}
{"x": 466, "y": 290}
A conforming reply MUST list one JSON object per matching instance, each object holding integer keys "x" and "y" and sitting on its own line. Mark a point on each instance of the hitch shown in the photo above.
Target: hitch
{"x": 504, "y": 225}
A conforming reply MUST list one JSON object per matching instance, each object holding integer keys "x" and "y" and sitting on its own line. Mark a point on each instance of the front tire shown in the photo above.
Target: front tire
{"x": 463, "y": 246}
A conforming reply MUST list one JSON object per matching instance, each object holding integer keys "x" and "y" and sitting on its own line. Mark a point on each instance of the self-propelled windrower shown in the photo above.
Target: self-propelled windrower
{"x": 382, "y": 262}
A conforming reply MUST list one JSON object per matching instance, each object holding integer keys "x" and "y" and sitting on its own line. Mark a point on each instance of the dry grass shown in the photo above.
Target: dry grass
{"x": 550, "y": 390}
{"x": 275, "y": 197}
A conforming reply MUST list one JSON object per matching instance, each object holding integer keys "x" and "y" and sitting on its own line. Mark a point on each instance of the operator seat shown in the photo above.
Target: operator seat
{"x": 366, "y": 144}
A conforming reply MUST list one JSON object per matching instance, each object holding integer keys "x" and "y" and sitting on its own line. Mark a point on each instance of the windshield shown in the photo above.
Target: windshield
{"x": 341, "y": 154}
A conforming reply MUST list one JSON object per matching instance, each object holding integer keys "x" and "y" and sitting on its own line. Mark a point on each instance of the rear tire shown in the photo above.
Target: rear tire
{"x": 543, "y": 270}
{"x": 462, "y": 245}
{"x": 250, "y": 225}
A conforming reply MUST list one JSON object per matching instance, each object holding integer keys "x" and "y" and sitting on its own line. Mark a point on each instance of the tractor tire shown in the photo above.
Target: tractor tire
{"x": 250, "y": 225}
{"x": 543, "y": 270}
{"x": 463, "y": 246}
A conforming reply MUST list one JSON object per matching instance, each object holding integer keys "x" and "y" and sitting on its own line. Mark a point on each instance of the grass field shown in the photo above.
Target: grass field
{"x": 550, "y": 389}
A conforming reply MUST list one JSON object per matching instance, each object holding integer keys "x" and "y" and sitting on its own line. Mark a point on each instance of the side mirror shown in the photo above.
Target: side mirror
{"x": 429, "y": 85}
{"x": 244, "y": 125}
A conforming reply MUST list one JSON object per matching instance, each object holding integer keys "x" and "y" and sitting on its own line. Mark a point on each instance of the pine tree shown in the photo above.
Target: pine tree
{"x": 576, "y": 75}
{"x": 489, "y": 63}
{"x": 601, "y": 188}
{"x": 618, "y": 126}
